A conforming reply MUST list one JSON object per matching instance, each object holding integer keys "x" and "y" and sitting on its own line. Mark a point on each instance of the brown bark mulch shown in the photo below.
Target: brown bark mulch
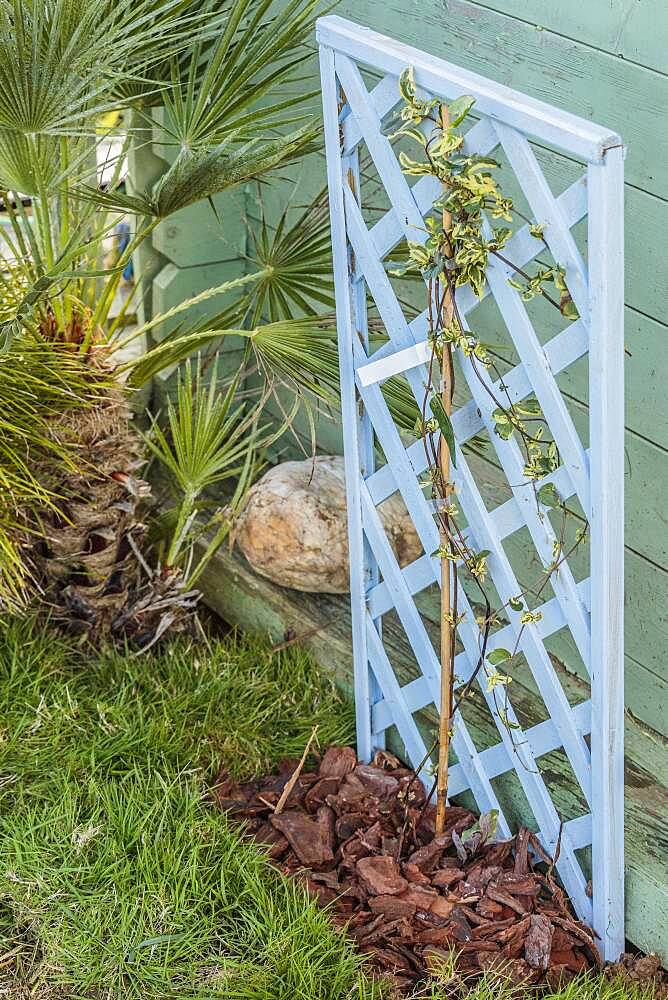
{"x": 362, "y": 839}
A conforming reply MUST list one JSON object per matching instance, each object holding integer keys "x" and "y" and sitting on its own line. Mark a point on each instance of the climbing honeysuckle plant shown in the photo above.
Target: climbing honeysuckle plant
{"x": 471, "y": 222}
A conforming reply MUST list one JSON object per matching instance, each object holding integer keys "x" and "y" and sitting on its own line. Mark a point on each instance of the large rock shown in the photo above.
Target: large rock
{"x": 294, "y": 529}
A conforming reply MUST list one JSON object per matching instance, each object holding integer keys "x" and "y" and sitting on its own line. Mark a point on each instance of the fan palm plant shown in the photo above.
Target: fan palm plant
{"x": 286, "y": 316}
{"x": 221, "y": 81}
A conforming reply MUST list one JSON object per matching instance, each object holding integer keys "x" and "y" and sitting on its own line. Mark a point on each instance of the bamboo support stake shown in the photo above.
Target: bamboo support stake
{"x": 447, "y": 625}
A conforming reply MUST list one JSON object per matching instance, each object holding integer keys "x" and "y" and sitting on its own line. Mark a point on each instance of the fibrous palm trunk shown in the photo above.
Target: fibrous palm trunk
{"x": 94, "y": 578}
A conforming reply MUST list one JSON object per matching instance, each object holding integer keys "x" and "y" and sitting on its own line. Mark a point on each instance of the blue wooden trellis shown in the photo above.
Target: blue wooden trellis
{"x": 590, "y": 733}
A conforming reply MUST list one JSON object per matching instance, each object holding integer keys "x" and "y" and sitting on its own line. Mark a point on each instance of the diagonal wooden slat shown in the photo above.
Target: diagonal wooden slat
{"x": 576, "y": 136}
{"x": 526, "y": 637}
{"x": 547, "y": 209}
{"x": 467, "y": 421}
{"x": 380, "y": 148}
{"x": 535, "y": 517}
{"x": 406, "y": 475}
{"x": 383, "y": 98}
{"x": 538, "y": 370}
{"x": 402, "y": 598}
{"x": 389, "y": 231}
{"x": 526, "y": 768}
{"x": 387, "y": 681}
{"x": 426, "y": 657}
{"x": 501, "y": 571}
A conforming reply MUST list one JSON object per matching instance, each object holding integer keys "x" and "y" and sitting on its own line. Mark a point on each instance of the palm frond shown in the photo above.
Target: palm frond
{"x": 208, "y": 440}
{"x": 301, "y": 355}
{"x": 172, "y": 352}
{"x": 295, "y": 258}
{"x": 61, "y": 61}
{"x": 203, "y": 173}
{"x": 245, "y": 83}
{"x": 22, "y": 309}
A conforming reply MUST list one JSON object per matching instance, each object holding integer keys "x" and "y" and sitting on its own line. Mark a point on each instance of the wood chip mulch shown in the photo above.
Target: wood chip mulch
{"x": 363, "y": 841}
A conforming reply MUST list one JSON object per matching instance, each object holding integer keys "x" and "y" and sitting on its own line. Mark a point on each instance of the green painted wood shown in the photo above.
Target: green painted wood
{"x": 593, "y": 84}
{"x": 631, "y": 30}
{"x": 646, "y": 222}
{"x": 244, "y": 599}
{"x": 144, "y": 169}
{"x": 207, "y": 244}
{"x": 197, "y": 248}
{"x": 646, "y": 285}
{"x": 646, "y": 693}
{"x": 175, "y": 284}
{"x": 198, "y": 235}
{"x": 171, "y": 286}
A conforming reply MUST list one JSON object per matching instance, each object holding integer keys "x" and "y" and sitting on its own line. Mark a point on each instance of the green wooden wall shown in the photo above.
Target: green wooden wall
{"x": 606, "y": 60}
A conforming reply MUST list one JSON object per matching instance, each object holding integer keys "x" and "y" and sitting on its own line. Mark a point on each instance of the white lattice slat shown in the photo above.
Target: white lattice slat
{"x": 589, "y": 609}
{"x": 538, "y": 371}
{"x": 544, "y": 205}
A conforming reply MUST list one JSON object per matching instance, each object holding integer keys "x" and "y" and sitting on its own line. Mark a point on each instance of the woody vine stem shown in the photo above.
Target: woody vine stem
{"x": 459, "y": 238}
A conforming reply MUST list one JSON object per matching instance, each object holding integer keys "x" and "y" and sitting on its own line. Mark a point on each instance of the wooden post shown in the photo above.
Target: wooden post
{"x": 447, "y": 626}
{"x": 606, "y": 423}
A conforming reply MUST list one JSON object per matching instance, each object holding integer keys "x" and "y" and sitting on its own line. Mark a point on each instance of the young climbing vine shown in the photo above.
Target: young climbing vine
{"x": 471, "y": 222}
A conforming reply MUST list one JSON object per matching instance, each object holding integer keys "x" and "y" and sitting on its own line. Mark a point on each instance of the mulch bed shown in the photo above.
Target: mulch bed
{"x": 362, "y": 838}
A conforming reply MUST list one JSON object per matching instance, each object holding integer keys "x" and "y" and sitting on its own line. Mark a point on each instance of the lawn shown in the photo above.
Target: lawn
{"x": 118, "y": 879}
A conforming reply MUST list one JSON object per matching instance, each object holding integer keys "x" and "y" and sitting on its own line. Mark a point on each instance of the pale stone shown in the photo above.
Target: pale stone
{"x": 294, "y": 529}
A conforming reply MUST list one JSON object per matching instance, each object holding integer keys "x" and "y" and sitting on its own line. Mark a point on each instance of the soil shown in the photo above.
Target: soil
{"x": 362, "y": 840}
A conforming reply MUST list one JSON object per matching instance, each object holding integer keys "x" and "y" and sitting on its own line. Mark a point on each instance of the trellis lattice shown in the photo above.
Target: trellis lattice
{"x": 590, "y": 733}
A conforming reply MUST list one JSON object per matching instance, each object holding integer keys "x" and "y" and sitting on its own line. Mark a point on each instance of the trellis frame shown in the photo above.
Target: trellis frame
{"x": 593, "y": 609}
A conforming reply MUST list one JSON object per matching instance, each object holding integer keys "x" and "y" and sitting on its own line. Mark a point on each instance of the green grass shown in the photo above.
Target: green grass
{"x": 118, "y": 879}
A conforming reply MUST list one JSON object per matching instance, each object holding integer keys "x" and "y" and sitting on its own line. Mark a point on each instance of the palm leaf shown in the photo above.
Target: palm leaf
{"x": 203, "y": 173}
{"x": 295, "y": 262}
{"x": 208, "y": 440}
{"x": 237, "y": 84}
{"x": 61, "y": 61}
{"x": 172, "y": 352}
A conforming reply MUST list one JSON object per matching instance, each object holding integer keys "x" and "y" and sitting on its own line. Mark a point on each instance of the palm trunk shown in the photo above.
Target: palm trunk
{"x": 94, "y": 578}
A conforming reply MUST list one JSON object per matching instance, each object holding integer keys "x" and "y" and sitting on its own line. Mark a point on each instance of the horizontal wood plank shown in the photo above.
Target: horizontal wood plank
{"x": 558, "y": 127}
{"x": 632, "y": 31}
